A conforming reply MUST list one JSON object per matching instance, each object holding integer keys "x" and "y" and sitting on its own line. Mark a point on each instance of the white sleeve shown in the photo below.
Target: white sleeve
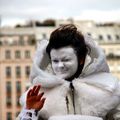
{"x": 26, "y": 114}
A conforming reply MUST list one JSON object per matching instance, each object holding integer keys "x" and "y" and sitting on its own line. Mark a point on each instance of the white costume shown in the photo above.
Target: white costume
{"x": 95, "y": 93}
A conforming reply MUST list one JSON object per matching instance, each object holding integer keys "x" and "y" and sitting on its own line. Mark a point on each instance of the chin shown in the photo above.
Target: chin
{"x": 68, "y": 78}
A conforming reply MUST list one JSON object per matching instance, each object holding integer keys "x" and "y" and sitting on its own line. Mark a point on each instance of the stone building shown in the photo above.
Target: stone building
{"x": 17, "y": 48}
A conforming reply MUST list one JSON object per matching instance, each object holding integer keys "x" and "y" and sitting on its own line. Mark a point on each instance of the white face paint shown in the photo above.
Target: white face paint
{"x": 64, "y": 62}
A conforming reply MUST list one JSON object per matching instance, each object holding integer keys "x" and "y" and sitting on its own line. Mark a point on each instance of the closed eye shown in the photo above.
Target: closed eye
{"x": 66, "y": 60}
{"x": 55, "y": 61}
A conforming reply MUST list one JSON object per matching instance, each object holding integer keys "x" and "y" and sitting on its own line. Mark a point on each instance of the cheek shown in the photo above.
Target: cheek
{"x": 73, "y": 63}
{"x": 74, "y": 66}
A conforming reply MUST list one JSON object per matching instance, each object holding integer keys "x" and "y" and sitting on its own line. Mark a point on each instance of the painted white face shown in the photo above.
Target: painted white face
{"x": 64, "y": 62}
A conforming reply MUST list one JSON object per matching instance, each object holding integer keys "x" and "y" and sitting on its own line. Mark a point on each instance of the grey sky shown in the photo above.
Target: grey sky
{"x": 15, "y": 10}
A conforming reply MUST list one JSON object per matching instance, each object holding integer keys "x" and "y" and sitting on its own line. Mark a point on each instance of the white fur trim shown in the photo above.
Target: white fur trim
{"x": 75, "y": 117}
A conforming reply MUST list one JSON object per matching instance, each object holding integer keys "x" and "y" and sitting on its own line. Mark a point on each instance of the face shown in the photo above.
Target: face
{"x": 64, "y": 62}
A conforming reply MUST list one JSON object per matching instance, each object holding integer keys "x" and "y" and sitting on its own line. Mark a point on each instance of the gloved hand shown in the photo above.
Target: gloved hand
{"x": 34, "y": 99}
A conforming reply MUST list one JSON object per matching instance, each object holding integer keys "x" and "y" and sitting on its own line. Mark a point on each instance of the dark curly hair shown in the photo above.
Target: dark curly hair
{"x": 68, "y": 35}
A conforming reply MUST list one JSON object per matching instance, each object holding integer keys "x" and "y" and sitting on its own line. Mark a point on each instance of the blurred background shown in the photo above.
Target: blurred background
{"x": 24, "y": 23}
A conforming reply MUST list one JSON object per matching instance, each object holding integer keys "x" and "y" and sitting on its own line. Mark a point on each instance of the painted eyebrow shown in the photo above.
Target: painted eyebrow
{"x": 68, "y": 57}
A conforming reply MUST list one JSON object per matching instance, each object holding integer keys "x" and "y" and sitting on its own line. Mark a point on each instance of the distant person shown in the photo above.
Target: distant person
{"x": 80, "y": 86}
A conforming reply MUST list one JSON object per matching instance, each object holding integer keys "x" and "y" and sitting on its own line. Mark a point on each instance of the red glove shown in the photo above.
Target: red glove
{"x": 34, "y": 98}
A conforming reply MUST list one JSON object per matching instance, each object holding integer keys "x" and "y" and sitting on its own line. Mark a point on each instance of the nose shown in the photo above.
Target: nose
{"x": 60, "y": 65}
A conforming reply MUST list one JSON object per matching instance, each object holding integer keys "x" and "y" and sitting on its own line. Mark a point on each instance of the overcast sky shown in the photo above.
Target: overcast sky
{"x": 12, "y": 11}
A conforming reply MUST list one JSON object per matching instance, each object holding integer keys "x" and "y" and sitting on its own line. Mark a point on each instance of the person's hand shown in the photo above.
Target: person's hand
{"x": 34, "y": 98}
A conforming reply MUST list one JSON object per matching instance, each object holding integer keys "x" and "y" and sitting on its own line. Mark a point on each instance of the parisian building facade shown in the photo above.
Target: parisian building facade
{"x": 17, "y": 49}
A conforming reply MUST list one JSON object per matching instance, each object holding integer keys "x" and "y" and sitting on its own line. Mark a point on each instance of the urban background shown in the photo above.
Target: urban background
{"x": 17, "y": 48}
{"x": 23, "y": 24}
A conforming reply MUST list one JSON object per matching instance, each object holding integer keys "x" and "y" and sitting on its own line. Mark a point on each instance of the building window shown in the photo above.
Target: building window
{"x": 1, "y": 43}
{"x": 117, "y": 37}
{"x": 100, "y": 37}
{"x": 8, "y": 87}
{"x": 109, "y": 37}
{"x": 17, "y": 113}
{"x": 18, "y": 92}
{"x": 7, "y": 54}
{"x": 18, "y": 87}
{"x": 31, "y": 41}
{"x": 8, "y": 72}
{"x": 27, "y": 71}
{"x": 17, "y": 54}
{"x": 18, "y": 71}
{"x": 8, "y": 94}
{"x": 44, "y": 36}
{"x": 9, "y": 116}
{"x": 89, "y": 34}
{"x": 27, "y": 54}
{"x": 110, "y": 56}
{"x": 8, "y": 101}
{"x": 21, "y": 42}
